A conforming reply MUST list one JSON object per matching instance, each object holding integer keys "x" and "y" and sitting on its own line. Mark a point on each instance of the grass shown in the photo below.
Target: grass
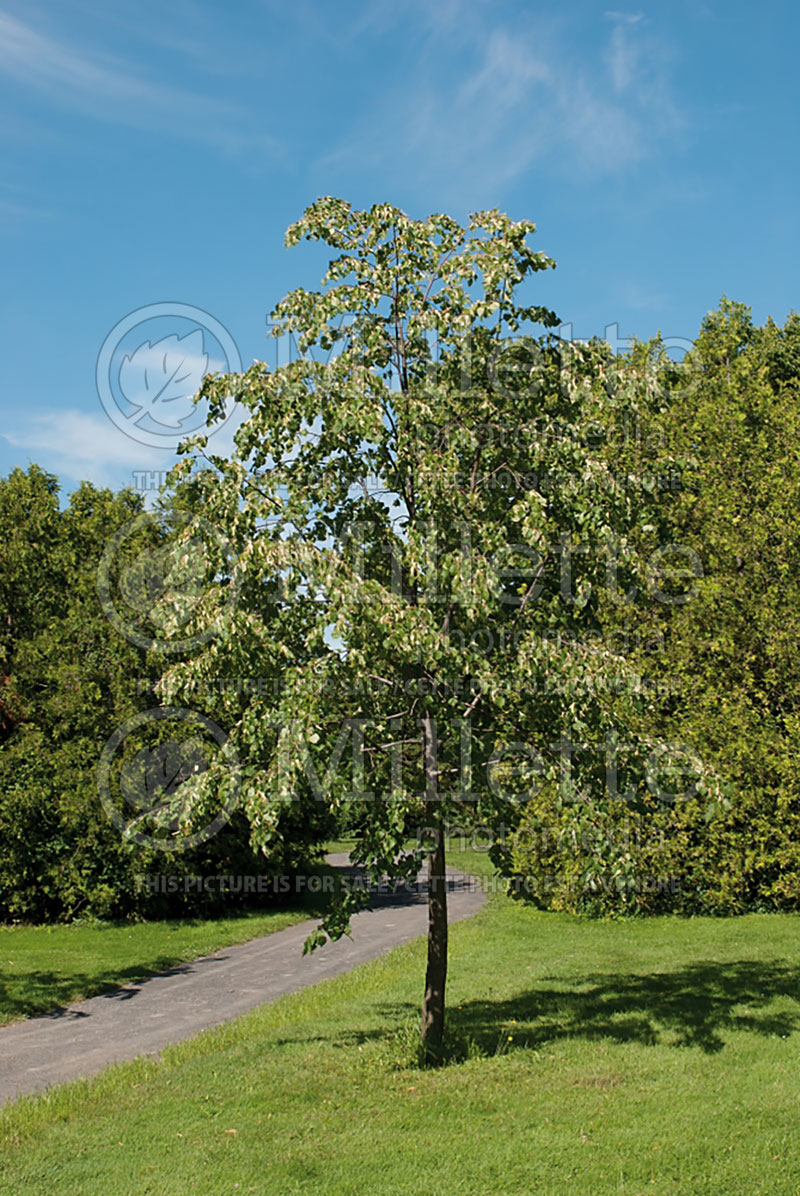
{"x": 587, "y": 1058}
{"x": 45, "y": 967}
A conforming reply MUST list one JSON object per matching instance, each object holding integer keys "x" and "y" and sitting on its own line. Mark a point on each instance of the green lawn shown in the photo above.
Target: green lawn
{"x": 656, "y": 1057}
{"x": 42, "y": 967}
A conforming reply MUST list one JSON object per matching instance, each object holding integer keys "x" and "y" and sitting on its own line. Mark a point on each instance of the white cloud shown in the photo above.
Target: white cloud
{"x": 507, "y": 75}
{"x": 622, "y": 58}
{"x": 624, "y": 18}
{"x": 487, "y": 99}
{"x": 640, "y": 297}
{"x": 82, "y": 446}
{"x": 25, "y": 211}
{"x": 107, "y": 88}
{"x": 171, "y": 370}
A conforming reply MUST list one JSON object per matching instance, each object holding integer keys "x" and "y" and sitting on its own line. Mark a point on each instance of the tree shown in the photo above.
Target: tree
{"x": 733, "y": 651}
{"x": 69, "y": 681}
{"x": 426, "y": 523}
{"x": 723, "y": 666}
{"x": 32, "y": 576}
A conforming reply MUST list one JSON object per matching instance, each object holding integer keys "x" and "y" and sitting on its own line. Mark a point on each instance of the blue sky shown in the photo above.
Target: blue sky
{"x": 154, "y": 154}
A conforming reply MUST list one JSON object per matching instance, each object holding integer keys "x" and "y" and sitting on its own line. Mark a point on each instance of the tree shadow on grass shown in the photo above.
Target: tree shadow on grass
{"x": 692, "y": 1006}
{"x": 697, "y": 1005}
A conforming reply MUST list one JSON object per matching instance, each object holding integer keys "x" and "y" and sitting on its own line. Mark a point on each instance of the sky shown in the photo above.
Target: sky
{"x": 153, "y": 156}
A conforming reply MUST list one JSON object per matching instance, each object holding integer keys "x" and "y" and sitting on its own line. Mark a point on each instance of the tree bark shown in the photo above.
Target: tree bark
{"x": 432, "y": 1027}
{"x": 436, "y": 974}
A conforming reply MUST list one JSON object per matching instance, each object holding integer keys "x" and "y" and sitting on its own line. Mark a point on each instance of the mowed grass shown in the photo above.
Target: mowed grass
{"x": 656, "y": 1057}
{"x": 44, "y": 967}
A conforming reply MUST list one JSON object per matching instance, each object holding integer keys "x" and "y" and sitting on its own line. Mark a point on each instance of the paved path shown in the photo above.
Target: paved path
{"x": 142, "y": 1018}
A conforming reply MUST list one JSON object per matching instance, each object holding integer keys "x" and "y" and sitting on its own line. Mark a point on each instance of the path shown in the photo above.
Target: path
{"x": 142, "y": 1018}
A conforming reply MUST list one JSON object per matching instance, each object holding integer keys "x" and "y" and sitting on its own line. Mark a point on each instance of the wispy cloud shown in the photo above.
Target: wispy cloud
{"x": 639, "y": 296}
{"x": 624, "y": 53}
{"x": 108, "y": 88}
{"x": 83, "y": 446}
{"x": 80, "y": 445}
{"x": 624, "y": 18}
{"x": 15, "y": 203}
{"x": 488, "y": 98}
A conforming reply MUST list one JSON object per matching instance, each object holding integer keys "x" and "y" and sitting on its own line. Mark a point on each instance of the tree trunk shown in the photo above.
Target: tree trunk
{"x": 432, "y": 1027}
{"x": 436, "y": 975}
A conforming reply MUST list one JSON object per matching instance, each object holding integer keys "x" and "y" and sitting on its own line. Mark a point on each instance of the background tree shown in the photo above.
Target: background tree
{"x": 722, "y": 667}
{"x": 70, "y": 680}
{"x": 734, "y": 651}
{"x": 428, "y": 524}
{"x": 32, "y": 577}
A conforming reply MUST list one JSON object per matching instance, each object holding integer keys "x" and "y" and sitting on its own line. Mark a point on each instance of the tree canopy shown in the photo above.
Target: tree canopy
{"x": 430, "y": 508}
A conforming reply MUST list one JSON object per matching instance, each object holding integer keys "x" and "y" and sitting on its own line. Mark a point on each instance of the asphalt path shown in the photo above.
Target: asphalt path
{"x": 142, "y": 1018}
